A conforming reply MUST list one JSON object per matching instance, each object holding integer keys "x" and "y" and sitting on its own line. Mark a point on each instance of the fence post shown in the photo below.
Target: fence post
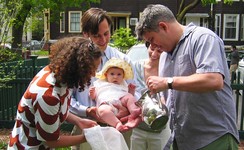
{"x": 34, "y": 57}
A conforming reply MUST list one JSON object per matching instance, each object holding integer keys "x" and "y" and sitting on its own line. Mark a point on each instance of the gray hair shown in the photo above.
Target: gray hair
{"x": 150, "y": 18}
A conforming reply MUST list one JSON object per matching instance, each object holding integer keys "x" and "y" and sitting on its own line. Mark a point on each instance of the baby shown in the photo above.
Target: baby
{"x": 111, "y": 89}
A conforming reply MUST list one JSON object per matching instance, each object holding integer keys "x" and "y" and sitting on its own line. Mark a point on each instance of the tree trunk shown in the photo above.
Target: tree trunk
{"x": 183, "y": 10}
{"x": 18, "y": 25}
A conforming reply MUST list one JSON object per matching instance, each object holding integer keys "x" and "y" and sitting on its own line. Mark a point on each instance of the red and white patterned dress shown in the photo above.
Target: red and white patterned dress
{"x": 41, "y": 111}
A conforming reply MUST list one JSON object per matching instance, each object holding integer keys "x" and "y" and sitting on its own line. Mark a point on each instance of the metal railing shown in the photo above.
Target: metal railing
{"x": 9, "y": 97}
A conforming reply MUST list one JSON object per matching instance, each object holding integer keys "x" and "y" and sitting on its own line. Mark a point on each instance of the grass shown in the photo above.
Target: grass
{"x": 3, "y": 145}
{"x": 4, "y": 139}
{"x": 40, "y": 53}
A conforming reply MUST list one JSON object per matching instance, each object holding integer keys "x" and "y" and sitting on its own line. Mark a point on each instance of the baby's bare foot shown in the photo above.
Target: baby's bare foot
{"x": 120, "y": 127}
{"x": 133, "y": 122}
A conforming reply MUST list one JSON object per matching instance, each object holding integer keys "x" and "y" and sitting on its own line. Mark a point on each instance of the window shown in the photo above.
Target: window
{"x": 133, "y": 21}
{"x": 74, "y": 21}
{"x": 62, "y": 22}
{"x": 231, "y": 26}
{"x": 204, "y": 22}
{"x": 217, "y": 24}
{"x": 121, "y": 22}
{"x": 242, "y": 27}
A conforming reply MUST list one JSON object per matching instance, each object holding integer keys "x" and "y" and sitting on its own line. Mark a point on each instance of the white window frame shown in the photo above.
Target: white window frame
{"x": 242, "y": 27}
{"x": 133, "y": 21}
{"x": 236, "y": 27}
{"x": 77, "y": 23}
{"x": 62, "y": 22}
{"x": 218, "y": 24}
{"x": 203, "y": 22}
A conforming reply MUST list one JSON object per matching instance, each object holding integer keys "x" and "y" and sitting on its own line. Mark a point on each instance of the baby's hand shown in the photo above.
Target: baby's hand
{"x": 92, "y": 93}
{"x": 132, "y": 88}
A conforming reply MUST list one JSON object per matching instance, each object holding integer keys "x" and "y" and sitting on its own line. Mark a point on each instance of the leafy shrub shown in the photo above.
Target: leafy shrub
{"x": 8, "y": 56}
{"x": 8, "y": 73}
{"x": 123, "y": 39}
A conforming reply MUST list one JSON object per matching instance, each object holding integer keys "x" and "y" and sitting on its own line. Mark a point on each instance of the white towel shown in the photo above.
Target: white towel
{"x": 105, "y": 138}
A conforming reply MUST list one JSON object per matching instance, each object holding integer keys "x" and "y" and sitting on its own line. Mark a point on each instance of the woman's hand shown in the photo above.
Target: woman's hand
{"x": 83, "y": 123}
{"x": 80, "y": 122}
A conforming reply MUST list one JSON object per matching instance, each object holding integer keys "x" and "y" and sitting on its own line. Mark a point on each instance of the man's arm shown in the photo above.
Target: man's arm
{"x": 80, "y": 102}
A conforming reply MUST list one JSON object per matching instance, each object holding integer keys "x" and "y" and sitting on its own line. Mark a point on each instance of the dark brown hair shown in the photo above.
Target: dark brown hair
{"x": 72, "y": 61}
{"x": 92, "y": 18}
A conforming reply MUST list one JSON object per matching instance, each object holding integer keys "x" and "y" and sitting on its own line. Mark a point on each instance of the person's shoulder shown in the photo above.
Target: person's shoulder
{"x": 114, "y": 51}
{"x": 139, "y": 63}
{"x": 199, "y": 31}
{"x": 110, "y": 48}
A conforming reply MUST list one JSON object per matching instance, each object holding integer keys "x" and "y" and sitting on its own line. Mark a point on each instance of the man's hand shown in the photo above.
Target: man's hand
{"x": 156, "y": 84}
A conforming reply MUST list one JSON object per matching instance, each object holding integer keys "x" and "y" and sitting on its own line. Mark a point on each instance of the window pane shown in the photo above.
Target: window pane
{"x": 62, "y": 22}
{"x": 217, "y": 24}
{"x": 242, "y": 27}
{"x": 230, "y": 33}
{"x": 75, "y": 22}
{"x": 230, "y": 30}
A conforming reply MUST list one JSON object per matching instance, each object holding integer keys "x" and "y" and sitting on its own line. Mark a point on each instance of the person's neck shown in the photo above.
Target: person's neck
{"x": 177, "y": 32}
{"x": 152, "y": 65}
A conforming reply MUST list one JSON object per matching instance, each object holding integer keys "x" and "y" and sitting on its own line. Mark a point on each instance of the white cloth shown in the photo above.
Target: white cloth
{"x": 105, "y": 138}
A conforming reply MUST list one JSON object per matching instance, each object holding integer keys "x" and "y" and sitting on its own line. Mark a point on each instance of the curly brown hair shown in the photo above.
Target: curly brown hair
{"x": 72, "y": 61}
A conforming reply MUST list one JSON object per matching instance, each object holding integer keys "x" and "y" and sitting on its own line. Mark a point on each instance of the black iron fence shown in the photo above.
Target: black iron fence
{"x": 9, "y": 97}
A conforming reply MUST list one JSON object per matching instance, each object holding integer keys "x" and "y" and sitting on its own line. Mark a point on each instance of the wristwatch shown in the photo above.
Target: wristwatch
{"x": 170, "y": 82}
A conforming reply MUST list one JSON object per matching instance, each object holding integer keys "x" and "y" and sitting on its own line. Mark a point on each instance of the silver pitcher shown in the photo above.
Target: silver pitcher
{"x": 154, "y": 113}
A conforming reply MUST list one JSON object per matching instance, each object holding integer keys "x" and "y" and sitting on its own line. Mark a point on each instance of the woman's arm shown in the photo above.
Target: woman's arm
{"x": 69, "y": 140}
{"x": 66, "y": 141}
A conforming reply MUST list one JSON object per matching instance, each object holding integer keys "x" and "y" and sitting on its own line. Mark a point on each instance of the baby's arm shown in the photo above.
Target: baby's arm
{"x": 132, "y": 89}
{"x": 92, "y": 93}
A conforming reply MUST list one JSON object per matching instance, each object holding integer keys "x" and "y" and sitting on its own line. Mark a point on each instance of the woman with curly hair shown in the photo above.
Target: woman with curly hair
{"x": 44, "y": 105}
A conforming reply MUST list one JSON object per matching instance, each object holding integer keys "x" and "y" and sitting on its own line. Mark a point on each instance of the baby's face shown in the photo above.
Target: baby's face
{"x": 115, "y": 75}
